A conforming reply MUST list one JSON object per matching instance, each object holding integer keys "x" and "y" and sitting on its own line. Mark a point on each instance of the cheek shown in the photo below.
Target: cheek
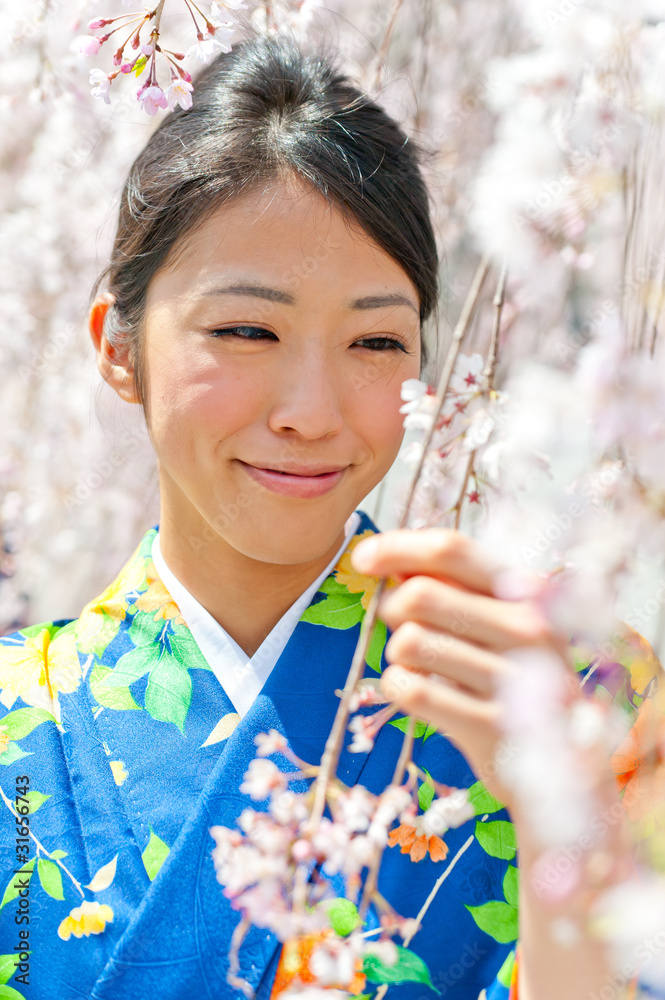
{"x": 196, "y": 404}
{"x": 374, "y": 406}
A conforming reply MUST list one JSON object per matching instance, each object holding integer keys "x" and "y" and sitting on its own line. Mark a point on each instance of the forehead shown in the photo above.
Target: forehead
{"x": 288, "y": 234}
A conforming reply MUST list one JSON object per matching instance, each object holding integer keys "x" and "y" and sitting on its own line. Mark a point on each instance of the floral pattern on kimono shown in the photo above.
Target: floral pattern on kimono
{"x": 119, "y": 749}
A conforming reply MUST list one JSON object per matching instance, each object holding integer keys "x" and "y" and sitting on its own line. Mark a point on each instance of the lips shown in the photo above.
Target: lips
{"x": 304, "y": 482}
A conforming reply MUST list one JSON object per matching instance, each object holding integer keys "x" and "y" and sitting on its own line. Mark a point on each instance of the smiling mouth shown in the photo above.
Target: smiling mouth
{"x": 295, "y": 484}
{"x": 298, "y": 474}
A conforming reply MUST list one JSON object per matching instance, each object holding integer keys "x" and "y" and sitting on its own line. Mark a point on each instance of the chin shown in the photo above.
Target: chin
{"x": 289, "y": 536}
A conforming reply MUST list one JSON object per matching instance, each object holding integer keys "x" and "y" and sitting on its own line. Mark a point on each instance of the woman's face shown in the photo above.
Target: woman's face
{"x": 277, "y": 339}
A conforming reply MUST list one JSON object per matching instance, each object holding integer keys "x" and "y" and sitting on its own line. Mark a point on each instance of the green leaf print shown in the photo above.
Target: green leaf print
{"x": 331, "y": 585}
{"x": 144, "y": 630}
{"x": 409, "y": 968}
{"x": 32, "y": 631}
{"x": 497, "y": 838}
{"x": 184, "y": 648}
{"x": 169, "y": 691}
{"x": 7, "y": 967}
{"x": 497, "y": 919}
{"x": 343, "y": 916}
{"x": 376, "y": 646}
{"x": 511, "y": 885}
{"x": 422, "y": 729}
{"x": 9, "y": 993}
{"x": 35, "y": 800}
{"x": 482, "y": 801}
{"x": 21, "y": 722}
{"x": 13, "y": 753}
{"x": 506, "y": 971}
{"x": 426, "y": 792}
{"x": 119, "y": 698}
{"x": 154, "y": 855}
{"x": 131, "y": 666}
{"x": 341, "y": 610}
{"x": 50, "y": 878}
{"x": 18, "y": 880}
{"x": 58, "y": 854}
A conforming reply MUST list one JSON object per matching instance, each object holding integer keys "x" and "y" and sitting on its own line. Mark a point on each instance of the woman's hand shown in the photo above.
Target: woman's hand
{"x": 450, "y": 635}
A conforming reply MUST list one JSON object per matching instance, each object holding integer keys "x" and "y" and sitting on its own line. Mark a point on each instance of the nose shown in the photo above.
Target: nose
{"x": 307, "y": 396}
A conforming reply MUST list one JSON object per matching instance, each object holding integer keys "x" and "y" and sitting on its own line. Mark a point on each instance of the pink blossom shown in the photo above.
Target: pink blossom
{"x": 362, "y": 741}
{"x": 87, "y": 45}
{"x": 448, "y": 812}
{"x": 467, "y": 376}
{"x": 209, "y": 45}
{"x": 101, "y": 85}
{"x": 151, "y": 98}
{"x": 334, "y": 961}
{"x": 270, "y": 743}
{"x": 356, "y": 808}
{"x": 261, "y": 779}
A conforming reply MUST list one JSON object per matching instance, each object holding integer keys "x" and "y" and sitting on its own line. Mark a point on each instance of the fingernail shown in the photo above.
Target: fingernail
{"x": 364, "y": 554}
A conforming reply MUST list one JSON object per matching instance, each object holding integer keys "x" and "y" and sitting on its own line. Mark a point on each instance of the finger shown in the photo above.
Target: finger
{"x": 475, "y": 670}
{"x": 435, "y": 551}
{"x": 452, "y": 711}
{"x": 497, "y": 625}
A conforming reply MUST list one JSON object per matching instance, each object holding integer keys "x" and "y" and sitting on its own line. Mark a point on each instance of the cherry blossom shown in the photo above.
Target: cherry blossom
{"x": 152, "y": 98}
{"x": 101, "y": 85}
{"x": 261, "y": 779}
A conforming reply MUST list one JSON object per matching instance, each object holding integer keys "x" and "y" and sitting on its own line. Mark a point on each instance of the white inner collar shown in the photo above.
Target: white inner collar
{"x": 241, "y": 676}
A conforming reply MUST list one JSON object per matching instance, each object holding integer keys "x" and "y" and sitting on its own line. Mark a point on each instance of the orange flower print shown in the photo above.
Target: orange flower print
{"x": 355, "y": 582}
{"x": 294, "y": 966}
{"x": 639, "y": 762}
{"x": 157, "y": 598}
{"x": 417, "y": 844}
{"x": 88, "y": 918}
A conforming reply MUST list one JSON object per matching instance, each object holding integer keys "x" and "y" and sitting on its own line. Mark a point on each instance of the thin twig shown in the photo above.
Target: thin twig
{"x": 498, "y": 302}
{"x": 382, "y": 55}
{"x": 383, "y": 989}
{"x": 424, "y": 68}
{"x": 489, "y": 374}
{"x": 460, "y": 502}
{"x": 459, "y": 333}
{"x": 333, "y": 747}
{"x": 373, "y": 874}
{"x": 435, "y": 888}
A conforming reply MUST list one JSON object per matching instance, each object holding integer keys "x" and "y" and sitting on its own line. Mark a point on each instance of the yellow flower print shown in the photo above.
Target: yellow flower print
{"x": 62, "y": 664}
{"x": 119, "y": 771}
{"x": 355, "y": 582}
{"x": 24, "y": 667}
{"x": 112, "y": 600}
{"x": 39, "y": 670}
{"x": 88, "y": 918}
{"x": 157, "y": 598}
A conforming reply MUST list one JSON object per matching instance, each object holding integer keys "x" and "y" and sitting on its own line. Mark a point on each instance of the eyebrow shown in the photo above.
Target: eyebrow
{"x": 286, "y": 298}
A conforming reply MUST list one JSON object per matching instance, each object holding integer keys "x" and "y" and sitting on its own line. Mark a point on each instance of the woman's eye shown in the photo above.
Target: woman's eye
{"x": 382, "y": 344}
{"x": 245, "y": 332}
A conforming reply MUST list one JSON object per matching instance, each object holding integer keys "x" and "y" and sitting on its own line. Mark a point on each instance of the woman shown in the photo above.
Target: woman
{"x": 272, "y": 272}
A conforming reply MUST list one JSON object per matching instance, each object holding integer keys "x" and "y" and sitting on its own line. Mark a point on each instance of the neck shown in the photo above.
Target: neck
{"x": 245, "y": 595}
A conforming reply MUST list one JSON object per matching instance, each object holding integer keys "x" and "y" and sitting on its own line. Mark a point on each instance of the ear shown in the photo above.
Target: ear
{"x": 113, "y": 363}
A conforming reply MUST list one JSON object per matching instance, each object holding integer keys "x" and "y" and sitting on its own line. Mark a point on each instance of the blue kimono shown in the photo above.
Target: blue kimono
{"x": 107, "y": 884}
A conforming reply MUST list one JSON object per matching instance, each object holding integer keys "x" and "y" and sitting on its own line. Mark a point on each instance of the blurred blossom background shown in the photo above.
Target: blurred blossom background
{"x": 541, "y": 127}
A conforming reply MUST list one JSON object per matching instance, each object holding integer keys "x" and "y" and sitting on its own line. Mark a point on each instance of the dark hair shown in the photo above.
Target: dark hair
{"x": 260, "y": 112}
